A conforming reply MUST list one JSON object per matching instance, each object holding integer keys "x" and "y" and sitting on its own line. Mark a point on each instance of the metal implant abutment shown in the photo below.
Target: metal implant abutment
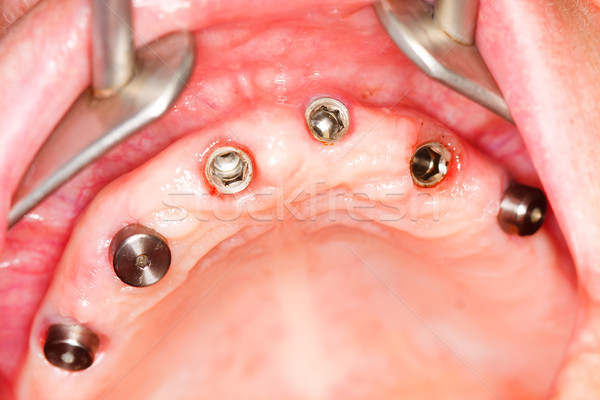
{"x": 140, "y": 255}
{"x": 229, "y": 170}
{"x": 522, "y": 209}
{"x": 429, "y": 164}
{"x": 327, "y": 119}
{"x": 70, "y": 347}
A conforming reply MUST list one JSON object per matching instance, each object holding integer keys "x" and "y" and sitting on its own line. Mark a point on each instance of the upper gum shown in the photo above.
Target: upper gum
{"x": 179, "y": 169}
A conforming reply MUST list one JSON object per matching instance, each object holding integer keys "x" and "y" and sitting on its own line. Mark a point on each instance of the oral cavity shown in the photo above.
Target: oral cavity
{"x": 329, "y": 251}
{"x": 318, "y": 228}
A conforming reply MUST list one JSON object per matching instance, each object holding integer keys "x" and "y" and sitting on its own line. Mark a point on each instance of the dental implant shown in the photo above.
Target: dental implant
{"x": 229, "y": 170}
{"x": 429, "y": 164}
{"x": 70, "y": 347}
{"x": 141, "y": 256}
{"x": 522, "y": 210}
{"x": 327, "y": 119}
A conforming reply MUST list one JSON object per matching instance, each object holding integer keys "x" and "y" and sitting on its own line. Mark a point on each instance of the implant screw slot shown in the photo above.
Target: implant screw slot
{"x": 142, "y": 261}
{"x": 429, "y": 164}
{"x": 229, "y": 170}
{"x": 326, "y": 123}
{"x": 327, "y": 119}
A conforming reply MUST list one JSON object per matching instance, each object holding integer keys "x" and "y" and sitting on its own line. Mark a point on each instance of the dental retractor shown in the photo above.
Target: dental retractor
{"x": 440, "y": 40}
{"x": 129, "y": 90}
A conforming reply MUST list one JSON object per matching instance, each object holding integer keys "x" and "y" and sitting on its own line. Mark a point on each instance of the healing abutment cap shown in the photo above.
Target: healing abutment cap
{"x": 70, "y": 347}
{"x": 522, "y": 209}
{"x": 140, "y": 255}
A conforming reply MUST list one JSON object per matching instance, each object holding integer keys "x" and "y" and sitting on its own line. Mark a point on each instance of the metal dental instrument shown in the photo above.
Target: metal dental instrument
{"x": 441, "y": 41}
{"x": 113, "y": 54}
{"x": 128, "y": 91}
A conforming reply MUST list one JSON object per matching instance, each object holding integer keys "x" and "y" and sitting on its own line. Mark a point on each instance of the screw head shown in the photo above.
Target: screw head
{"x": 229, "y": 170}
{"x": 327, "y": 119}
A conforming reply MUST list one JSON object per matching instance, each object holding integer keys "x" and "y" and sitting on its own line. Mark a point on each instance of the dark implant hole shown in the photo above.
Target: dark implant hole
{"x": 422, "y": 162}
{"x": 426, "y": 165}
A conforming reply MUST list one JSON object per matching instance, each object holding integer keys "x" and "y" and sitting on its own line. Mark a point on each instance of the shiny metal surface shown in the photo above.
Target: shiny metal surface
{"x": 522, "y": 210}
{"x": 458, "y": 18}
{"x": 429, "y": 164}
{"x": 141, "y": 256}
{"x": 70, "y": 347}
{"x": 113, "y": 54}
{"x": 327, "y": 119}
{"x": 229, "y": 170}
{"x": 411, "y": 26}
{"x": 93, "y": 126}
{"x": 228, "y": 167}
